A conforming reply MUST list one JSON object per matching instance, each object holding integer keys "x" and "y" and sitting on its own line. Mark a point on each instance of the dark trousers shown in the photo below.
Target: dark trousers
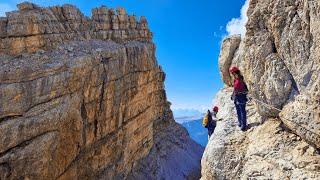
{"x": 242, "y": 114}
{"x": 210, "y": 132}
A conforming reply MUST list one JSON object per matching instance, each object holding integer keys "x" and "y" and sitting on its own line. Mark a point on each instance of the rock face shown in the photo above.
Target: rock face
{"x": 84, "y": 99}
{"x": 289, "y": 30}
{"x": 279, "y": 58}
{"x": 33, "y": 28}
{"x": 280, "y": 62}
{"x": 230, "y": 47}
{"x": 266, "y": 151}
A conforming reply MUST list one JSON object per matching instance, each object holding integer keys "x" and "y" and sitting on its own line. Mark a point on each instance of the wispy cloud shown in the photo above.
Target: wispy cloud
{"x": 5, "y": 7}
{"x": 238, "y": 25}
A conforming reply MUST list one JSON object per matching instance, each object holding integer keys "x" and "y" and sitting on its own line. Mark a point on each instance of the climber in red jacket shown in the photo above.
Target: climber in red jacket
{"x": 210, "y": 120}
{"x": 239, "y": 96}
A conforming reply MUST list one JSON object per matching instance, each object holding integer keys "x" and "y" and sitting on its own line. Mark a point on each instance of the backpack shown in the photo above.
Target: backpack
{"x": 205, "y": 120}
{"x": 246, "y": 90}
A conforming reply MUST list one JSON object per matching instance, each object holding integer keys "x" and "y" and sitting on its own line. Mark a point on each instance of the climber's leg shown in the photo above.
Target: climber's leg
{"x": 238, "y": 108}
{"x": 243, "y": 116}
{"x": 210, "y": 132}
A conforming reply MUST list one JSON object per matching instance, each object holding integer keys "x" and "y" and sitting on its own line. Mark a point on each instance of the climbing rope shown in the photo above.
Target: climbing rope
{"x": 272, "y": 107}
{"x": 265, "y": 104}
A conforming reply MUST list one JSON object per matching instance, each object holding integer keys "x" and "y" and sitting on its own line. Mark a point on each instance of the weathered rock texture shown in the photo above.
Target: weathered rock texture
{"x": 279, "y": 58}
{"x": 266, "y": 151}
{"x": 32, "y": 28}
{"x": 89, "y": 102}
{"x": 230, "y": 47}
{"x": 280, "y": 62}
{"x": 284, "y": 36}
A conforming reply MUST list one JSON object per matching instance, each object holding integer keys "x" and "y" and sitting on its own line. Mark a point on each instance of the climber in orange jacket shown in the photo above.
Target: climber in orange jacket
{"x": 239, "y": 96}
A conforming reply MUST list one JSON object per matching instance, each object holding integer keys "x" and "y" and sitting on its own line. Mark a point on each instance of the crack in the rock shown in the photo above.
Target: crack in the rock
{"x": 47, "y": 101}
{"x": 104, "y": 75}
{"x": 9, "y": 117}
{"x": 84, "y": 117}
{"x": 128, "y": 74}
{"x": 137, "y": 115}
{"x": 25, "y": 143}
{"x": 46, "y": 74}
{"x": 65, "y": 31}
{"x": 288, "y": 130}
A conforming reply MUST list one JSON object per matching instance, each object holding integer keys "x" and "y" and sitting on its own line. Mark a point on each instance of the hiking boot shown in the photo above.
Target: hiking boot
{"x": 243, "y": 128}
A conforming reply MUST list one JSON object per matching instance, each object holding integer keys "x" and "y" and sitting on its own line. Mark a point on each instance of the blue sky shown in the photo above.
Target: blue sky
{"x": 187, "y": 34}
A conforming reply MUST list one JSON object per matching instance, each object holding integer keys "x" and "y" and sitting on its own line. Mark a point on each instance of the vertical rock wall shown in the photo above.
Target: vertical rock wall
{"x": 83, "y": 98}
{"x": 280, "y": 62}
{"x": 279, "y": 57}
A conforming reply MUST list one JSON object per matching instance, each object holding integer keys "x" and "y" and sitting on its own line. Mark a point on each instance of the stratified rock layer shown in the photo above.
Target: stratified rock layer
{"x": 85, "y": 104}
{"x": 33, "y": 28}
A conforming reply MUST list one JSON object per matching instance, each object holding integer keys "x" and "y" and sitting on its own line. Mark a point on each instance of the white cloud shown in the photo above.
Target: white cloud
{"x": 238, "y": 25}
{"x": 4, "y": 7}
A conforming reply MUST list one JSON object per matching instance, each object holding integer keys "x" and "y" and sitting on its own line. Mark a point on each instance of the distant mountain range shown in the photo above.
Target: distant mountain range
{"x": 191, "y": 119}
{"x": 185, "y": 115}
{"x": 197, "y": 131}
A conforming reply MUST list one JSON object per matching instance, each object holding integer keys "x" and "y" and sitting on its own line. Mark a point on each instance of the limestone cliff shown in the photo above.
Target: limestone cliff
{"x": 279, "y": 57}
{"x": 83, "y": 98}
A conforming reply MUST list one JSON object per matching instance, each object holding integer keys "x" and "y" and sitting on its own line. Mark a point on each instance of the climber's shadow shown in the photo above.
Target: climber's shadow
{"x": 251, "y": 125}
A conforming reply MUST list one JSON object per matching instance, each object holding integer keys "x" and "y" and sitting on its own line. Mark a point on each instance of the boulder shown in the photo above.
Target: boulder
{"x": 229, "y": 47}
{"x": 27, "y": 6}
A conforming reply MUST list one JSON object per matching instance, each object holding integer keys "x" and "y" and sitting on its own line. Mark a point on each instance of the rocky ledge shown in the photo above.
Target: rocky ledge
{"x": 268, "y": 150}
{"x": 279, "y": 58}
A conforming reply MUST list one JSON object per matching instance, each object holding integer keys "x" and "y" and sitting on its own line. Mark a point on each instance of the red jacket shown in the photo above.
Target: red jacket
{"x": 239, "y": 86}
